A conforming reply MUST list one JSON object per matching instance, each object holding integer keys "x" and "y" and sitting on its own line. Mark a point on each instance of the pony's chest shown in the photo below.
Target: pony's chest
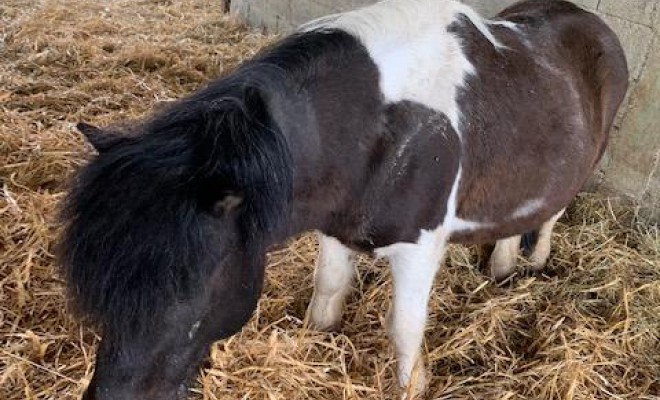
{"x": 408, "y": 186}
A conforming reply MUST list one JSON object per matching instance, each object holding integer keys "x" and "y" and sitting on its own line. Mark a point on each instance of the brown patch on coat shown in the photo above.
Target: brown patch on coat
{"x": 536, "y": 115}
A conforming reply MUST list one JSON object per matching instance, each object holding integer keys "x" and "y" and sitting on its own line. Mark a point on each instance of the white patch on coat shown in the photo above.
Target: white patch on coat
{"x": 507, "y": 24}
{"x": 418, "y": 58}
{"x": 528, "y": 208}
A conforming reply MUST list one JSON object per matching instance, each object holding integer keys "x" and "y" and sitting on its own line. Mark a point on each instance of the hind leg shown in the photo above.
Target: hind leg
{"x": 539, "y": 256}
{"x": 332, "y": 282}
{"x": 504, "y": 258}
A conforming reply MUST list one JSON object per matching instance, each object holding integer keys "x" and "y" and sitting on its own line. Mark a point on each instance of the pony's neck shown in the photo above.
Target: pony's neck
{"x": 332, "y": 126}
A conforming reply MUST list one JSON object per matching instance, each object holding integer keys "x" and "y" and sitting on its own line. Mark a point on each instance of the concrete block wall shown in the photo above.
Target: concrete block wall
{"x": 632, "y": 164}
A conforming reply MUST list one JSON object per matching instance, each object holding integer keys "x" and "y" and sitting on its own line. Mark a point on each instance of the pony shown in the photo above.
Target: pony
{"x": 393, "y": 130}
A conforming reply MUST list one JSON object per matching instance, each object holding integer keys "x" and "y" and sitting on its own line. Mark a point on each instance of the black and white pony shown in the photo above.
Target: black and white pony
{"x": 394, "y": 129}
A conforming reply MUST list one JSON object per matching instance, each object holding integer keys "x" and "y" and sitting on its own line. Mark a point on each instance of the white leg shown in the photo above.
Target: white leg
{"x": 504, "y": 258}
{"x": 413, "y": 269}
{"x": 541, "y": 252}
{"x": 332, "y": 282}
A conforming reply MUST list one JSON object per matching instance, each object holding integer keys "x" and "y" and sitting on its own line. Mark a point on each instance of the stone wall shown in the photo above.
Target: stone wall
{"x": 632, "y": 164}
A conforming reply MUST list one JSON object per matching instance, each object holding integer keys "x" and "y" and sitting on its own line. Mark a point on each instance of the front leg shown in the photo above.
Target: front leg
{"x": 332, "y": 283}
{"x": 413, "y": 270}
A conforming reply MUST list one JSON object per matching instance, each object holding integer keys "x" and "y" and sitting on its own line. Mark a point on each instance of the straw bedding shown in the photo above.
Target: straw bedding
{"x": 587, "y": 329}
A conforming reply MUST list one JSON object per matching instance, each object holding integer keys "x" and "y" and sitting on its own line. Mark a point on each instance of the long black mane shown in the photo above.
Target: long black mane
{"x": 133, "y": 241}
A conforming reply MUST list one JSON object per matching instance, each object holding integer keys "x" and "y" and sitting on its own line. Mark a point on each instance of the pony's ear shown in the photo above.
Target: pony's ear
{"x": 227, "y": 204}
{"x": 101, "y": 140}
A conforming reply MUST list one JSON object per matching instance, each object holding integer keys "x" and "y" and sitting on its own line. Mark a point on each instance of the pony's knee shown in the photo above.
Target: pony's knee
{"x": 332, "y": 282}
{"x": 325, "y": 313}
{"x": 334, "y": 270}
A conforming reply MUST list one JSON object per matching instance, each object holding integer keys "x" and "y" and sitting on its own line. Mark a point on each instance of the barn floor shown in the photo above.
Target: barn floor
{"x": 589, "y": 329}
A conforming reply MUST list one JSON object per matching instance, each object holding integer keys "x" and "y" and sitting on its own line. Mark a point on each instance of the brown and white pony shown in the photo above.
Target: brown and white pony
{"x": 394, "y": 129}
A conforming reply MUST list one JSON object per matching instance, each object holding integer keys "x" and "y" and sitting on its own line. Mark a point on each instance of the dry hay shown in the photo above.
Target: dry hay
{"x": 589, "y": 329}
